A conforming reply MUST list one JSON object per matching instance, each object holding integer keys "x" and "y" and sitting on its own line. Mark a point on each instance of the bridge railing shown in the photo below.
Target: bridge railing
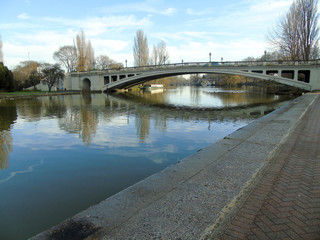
{"x": 207, "y": 64}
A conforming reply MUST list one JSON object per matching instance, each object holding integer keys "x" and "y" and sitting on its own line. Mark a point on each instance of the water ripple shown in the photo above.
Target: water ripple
{"x": 30, "y": 169}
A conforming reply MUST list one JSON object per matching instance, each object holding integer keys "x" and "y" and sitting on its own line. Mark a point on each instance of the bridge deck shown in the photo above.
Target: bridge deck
{"x": 187, "y": 199}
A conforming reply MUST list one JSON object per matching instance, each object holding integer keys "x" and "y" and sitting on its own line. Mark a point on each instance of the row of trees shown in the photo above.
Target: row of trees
{"x": 29, "y": 74}
{"x": 26, "y": 74}
{"x": 80, "y": 56}
{"x": 141, "y": 54}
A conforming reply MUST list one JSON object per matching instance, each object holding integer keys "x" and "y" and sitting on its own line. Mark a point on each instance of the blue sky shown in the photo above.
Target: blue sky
{"x": 232, "y": 29}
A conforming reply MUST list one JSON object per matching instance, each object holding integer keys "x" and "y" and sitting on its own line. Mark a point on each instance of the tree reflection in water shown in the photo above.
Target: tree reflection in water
{"x": 8, "y": 115}
{"x": 80, "y": 114}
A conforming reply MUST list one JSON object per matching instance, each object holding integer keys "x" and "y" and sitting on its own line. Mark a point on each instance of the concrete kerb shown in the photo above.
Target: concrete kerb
{"x": 224, "y": 171}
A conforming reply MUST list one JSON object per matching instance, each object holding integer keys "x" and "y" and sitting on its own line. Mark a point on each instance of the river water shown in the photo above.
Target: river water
{"x": 61, "y": 154}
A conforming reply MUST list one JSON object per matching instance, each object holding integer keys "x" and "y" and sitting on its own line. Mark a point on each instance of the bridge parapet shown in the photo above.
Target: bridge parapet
{"x": 277, "y": 63}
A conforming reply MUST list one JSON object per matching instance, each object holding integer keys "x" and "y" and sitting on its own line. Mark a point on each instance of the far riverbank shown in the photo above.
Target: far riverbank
{"x": 31, "y": 94}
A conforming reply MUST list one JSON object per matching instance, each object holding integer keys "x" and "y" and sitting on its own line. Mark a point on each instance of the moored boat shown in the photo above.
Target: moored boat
{"x": 152, "y": 86}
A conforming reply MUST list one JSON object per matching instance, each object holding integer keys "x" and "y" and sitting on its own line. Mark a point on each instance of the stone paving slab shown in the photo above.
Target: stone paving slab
{"x": 185, "y": 200}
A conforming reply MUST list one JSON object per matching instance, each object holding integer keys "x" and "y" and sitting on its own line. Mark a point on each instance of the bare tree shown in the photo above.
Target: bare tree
{"x": 34, "y": 78}
{"x": 140, "y": 49}
{"x": 115, "y": 65}
{"x": 308, "y": 28}
{"x": 53, "y": 75}
{"x": 85, "y": 53}
{"x": 1, "y": 53}
{"x": 297, "y": 34}
{"x": 67, "y": 55}
{"x": 154, "y": 59}
{"x": 159, "y": 54}
{"x": 90, "y": 56}
{"x": 103, "y": 62}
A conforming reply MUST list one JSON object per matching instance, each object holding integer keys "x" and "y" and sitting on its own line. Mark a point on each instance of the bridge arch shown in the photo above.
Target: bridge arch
{"x": 86, "y": 85}
{"x": 162, "y": 73}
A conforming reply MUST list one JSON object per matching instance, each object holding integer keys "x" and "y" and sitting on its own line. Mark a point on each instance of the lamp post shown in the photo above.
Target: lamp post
{"x": 209, "y": 56}
{"x": 126, "y": 63}
{"x": 164, "y": 60}
{"x": 265, "y": 55}
{"x": 222, "y": 59}
{"x": 182, "y": 61}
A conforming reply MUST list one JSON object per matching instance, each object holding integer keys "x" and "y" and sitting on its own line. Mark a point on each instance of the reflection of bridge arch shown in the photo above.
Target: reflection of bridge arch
{"x": 86, "y": 85}
{"x": 124, "y": 101}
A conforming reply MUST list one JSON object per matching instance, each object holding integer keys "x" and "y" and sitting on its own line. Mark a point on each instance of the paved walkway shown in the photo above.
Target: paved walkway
{"x": 286, "y": 202}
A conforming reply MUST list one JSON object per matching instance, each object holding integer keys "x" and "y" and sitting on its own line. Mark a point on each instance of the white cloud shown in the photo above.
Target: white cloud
{"x": 43, "y": 37}
{"x": 95, "y": 26}
{"x": 19, "y": 52}
{"x": 270, "y": 6}
{"x": 23, "y": 16}
{"x": 232, "y": 50}
{"x": 191, "y": 11}
{"x": 146, "y": 6}
{"x": 187, "y": 36}
{"x": 115, "y": 49}
{"x": 41, "y": 44}
{"x": 19, "y": 25}
{"x": 257, "y": 14}
{"x": 169, "y": 11}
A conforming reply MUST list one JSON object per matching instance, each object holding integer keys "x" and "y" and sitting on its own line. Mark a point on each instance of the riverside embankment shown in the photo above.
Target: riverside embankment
{"x": 191, "y": 198}
{"x": 27, "y": 94}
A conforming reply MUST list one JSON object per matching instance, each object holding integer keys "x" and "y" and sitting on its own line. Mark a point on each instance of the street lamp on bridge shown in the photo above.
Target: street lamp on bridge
{"x": 126, "y": 62}
{"x": 265, "y": 55}
{"x": 209, "y": 56}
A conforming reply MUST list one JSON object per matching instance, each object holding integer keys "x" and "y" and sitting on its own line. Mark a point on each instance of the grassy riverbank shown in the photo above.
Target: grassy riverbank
{"x": 28, "y": 94}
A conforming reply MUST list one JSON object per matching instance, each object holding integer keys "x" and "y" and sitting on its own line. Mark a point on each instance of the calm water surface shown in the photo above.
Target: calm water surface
{"x": 61, "y": 154}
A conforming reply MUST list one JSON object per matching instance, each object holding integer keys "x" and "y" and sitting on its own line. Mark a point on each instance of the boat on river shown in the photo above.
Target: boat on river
{"x": 152, "y": 87}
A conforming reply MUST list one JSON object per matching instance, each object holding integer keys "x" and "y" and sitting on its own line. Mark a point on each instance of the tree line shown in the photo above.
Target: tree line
{"x": 80, "y": 56}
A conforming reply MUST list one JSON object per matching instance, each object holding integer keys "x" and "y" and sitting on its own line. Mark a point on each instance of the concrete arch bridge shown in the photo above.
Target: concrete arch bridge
{"x": 301, "y": 74}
